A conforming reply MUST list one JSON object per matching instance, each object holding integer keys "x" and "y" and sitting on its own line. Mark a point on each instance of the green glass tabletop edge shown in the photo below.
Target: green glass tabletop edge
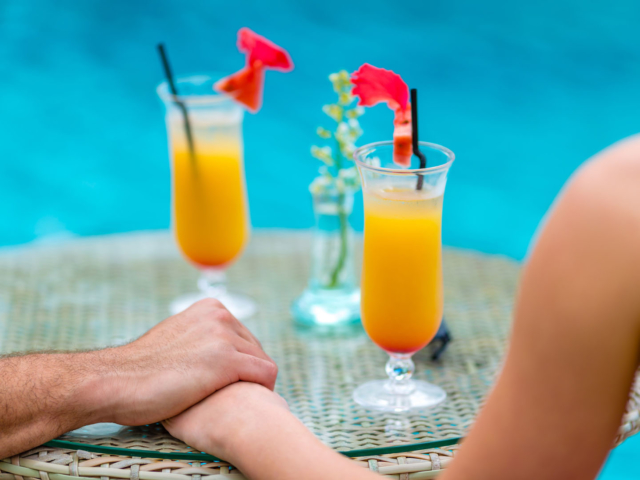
{"x": 365, "y": 452}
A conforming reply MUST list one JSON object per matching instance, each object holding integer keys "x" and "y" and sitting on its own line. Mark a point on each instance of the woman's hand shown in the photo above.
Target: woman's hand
{"x": 229, "y": 418}
{"x": 251, "y": 427}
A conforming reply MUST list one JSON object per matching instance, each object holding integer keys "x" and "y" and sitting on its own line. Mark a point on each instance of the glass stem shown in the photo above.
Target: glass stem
{"x": 400, "y": 368}
{"x": 213, "y": 282}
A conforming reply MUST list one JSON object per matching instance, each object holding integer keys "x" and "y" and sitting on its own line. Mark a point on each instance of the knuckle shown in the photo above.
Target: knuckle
{"x": 224, "y": 316}
{"x": 210, "y": 304}
{"x": 212, "y": 309}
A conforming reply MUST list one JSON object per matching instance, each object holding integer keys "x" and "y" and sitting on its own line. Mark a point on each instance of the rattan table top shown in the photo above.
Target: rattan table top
{"x": 99, "y": 291}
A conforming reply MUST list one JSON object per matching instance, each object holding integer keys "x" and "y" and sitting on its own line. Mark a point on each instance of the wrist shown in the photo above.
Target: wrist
{"x": 99, "y": 394}
{"x": 278, "y": 446}
{"x": 251, "y": 432}
{"x": 260, "y": 436}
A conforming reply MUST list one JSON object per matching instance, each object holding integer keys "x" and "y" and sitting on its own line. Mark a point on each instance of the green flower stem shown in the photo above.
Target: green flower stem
{"x": 344, "y": 233}
{"x": 344, "y": 239}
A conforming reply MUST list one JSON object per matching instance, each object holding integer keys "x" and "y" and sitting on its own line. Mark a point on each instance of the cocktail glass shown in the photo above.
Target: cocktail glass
{"x": 402, "y": 298}
{"x": 210, "y": 213}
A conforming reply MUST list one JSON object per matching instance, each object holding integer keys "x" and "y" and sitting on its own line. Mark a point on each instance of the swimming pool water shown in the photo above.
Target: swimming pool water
{"x": 523, "y": 93}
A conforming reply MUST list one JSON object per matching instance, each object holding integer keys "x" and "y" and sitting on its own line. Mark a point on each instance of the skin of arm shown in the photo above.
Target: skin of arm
{"x": 251, "y": 427}
{"x": 558, "y": 403}
{"x": 173, "y": 366}
{"x": 559, "y": 400}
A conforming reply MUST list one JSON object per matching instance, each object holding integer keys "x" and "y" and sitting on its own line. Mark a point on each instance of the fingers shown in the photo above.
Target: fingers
{"x": 252, "y": 363}
{"x": 220, "y": 313}
{"x": 250, "y": 348}
{"x": 253, "y": 369}
{"x": 245, "y": 333}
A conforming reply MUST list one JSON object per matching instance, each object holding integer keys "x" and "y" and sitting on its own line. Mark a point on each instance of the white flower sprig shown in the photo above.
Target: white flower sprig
{"x": 338, "y": 173}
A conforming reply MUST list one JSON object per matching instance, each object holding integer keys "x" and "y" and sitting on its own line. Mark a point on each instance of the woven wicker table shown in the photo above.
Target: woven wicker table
{"x": 100, "y": 291}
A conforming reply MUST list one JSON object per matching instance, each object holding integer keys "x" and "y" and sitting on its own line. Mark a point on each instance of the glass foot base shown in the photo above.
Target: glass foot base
{"x": 327, "y": 307}
{"x": 240, "y": 306}
{"x": 376, "y": 395}
{"x": 98, "y": 429}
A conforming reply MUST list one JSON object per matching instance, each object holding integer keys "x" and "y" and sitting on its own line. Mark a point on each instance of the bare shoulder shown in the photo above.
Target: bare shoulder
{"x": 615, "y": 171}
{"x": 595, "y": 224}
{"x": 607, "y": 189}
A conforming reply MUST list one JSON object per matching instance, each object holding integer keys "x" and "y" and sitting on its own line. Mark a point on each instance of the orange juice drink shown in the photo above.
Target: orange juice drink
{"x": 402, "y": 268}
{"x": 402, "y": 293}
{"x": 210, "y": 211}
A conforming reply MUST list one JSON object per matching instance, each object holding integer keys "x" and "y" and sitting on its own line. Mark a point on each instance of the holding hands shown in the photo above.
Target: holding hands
{"x": 183, "y": 360}
{"x": 224, "y": 421}
{"x": 237, "y": 416}
{"x": 175, "y": 365}
{"x": 251, "y": 427}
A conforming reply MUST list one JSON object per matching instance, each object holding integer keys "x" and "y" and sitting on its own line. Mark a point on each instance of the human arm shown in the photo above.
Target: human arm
{"x": 252, "y": 428}
{"x": 574, "y": 348}
{"x": 173, "y": 366}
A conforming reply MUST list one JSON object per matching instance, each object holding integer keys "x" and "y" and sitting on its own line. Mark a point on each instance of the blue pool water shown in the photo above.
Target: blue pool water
{"x": 523, "y": 92}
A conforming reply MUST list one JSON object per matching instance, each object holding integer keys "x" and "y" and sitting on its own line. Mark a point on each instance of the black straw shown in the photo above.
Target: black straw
{"x": 414, "y": 136}
{"x": 179, "y": 103}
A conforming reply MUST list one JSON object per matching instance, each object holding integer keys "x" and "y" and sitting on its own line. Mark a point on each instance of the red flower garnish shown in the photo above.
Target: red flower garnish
{"x": 246, "y": 85}
{"x": 376, "y": 85}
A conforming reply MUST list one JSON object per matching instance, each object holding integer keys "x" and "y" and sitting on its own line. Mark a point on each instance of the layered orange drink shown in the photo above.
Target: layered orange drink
{"x": 402, "y": 267}
{"x": 210, "y": 209}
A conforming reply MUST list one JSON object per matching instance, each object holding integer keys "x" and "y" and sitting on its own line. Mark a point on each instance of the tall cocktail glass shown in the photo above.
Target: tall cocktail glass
{"x": 402, "y": 297}
{"x": 210, "y": 213}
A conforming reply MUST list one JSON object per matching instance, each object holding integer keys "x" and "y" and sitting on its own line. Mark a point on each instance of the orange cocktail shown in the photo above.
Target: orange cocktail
{"x": 402, "y": 298}
{"x": 210, "y": 212}
{"x": 402, "y": 268}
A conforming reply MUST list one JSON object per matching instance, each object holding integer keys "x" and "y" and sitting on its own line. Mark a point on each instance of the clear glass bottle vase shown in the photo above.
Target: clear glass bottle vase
{"x": 332, "y": 296}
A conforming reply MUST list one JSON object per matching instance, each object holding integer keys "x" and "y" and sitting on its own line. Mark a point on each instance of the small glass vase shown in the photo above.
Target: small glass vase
{"x": 332, "y": 297}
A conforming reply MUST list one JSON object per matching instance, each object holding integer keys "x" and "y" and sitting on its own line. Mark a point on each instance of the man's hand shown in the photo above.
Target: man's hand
{"x": 173, "y": 366}
{"x": 181, "y": 361}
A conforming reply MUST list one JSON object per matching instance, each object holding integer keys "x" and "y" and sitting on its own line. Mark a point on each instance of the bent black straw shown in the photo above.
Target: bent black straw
{"x": 179, "y": 103}
{"x": 414, "y": 136}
